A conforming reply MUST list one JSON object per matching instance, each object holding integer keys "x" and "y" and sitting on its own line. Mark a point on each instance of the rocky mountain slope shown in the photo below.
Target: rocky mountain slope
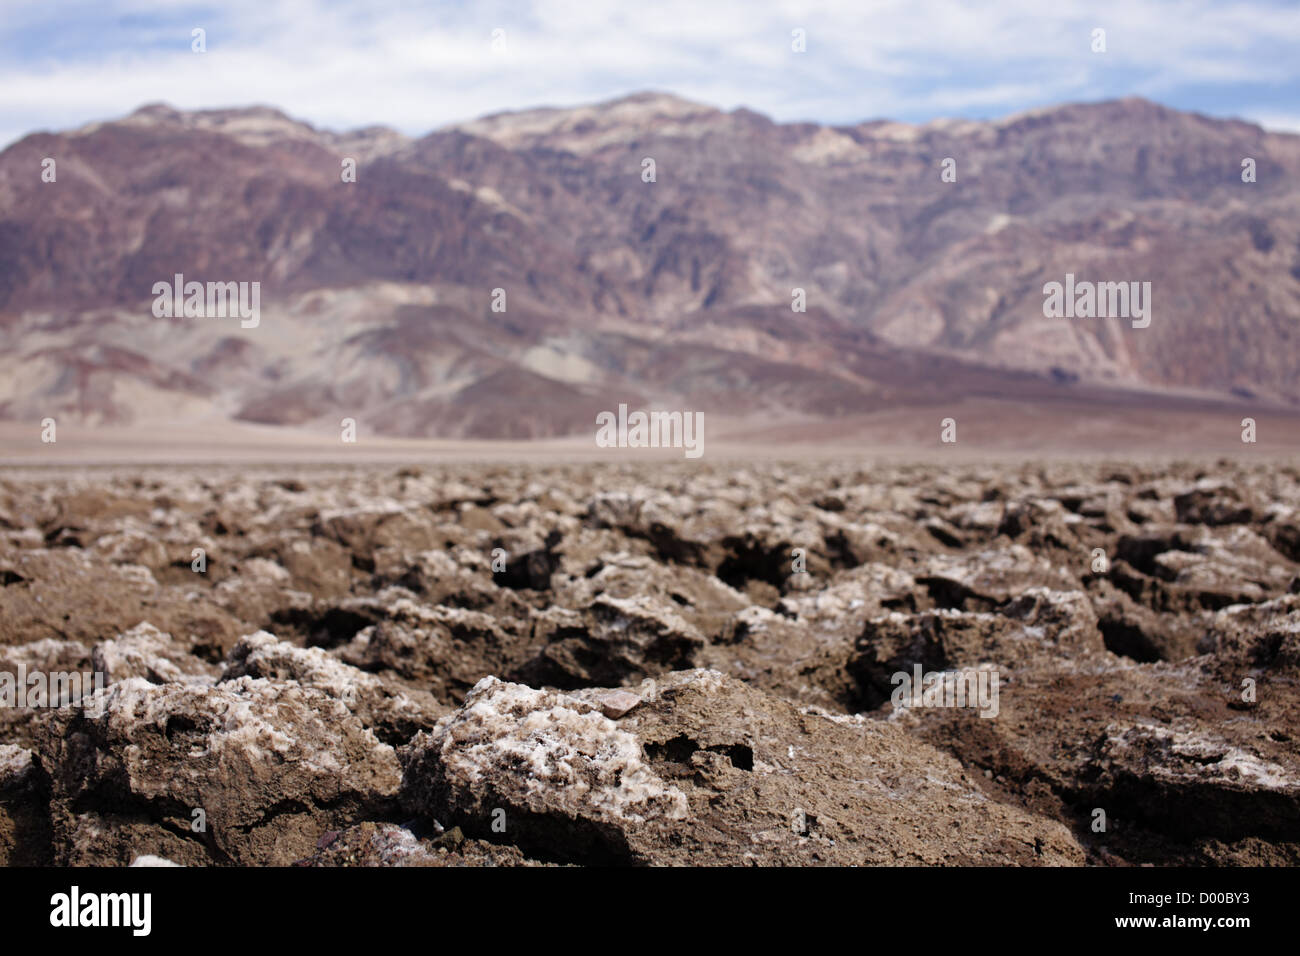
{"x": 377, "y": 295}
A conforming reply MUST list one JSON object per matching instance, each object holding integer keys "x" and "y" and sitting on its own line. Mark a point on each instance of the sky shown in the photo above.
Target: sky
{"x": 417, "y": 66}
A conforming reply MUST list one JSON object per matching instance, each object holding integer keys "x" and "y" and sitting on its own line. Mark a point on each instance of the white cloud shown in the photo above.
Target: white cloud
{"x": 417, "y": 67}
{"x": 1278, "y": 122}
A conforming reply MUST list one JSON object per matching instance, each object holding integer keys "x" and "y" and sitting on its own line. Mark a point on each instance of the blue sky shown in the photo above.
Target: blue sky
{"x": 419, "y": 65}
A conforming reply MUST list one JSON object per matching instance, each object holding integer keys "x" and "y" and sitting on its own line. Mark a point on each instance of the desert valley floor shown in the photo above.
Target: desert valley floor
{"x": 673, "y": 663}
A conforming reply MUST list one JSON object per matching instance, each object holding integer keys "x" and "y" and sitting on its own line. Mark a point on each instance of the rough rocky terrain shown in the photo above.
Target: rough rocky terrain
{"x": 510, "y": 665}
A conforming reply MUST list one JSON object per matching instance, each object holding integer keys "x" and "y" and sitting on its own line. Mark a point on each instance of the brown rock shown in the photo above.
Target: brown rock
{"x": 709, "y": 770}
{"x": 269, "y": 763}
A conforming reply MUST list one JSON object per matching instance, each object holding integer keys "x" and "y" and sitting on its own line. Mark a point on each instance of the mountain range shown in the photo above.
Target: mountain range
{"x": 511, "y": 277}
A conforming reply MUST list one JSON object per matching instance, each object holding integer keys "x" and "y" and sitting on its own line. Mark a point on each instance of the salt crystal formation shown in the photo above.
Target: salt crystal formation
{"x": 642, "y": 675}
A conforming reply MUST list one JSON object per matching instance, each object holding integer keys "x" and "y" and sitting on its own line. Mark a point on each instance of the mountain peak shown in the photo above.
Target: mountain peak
{"x": 583, "y": 129}
{"x": 256, "y": 125}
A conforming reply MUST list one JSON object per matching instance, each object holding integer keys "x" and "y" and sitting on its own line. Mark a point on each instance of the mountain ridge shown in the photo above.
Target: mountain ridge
{"x": 377, "y": 294}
